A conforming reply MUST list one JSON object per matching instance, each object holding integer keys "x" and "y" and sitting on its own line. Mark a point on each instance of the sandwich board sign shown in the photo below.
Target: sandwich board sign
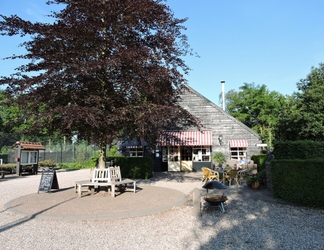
{"x": 48, "y": 181}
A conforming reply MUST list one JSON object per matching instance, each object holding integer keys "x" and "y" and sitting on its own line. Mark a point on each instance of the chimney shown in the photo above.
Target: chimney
{"x": 223, "y": 94}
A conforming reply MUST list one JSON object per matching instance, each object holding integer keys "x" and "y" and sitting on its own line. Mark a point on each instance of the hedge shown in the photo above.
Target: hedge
{"x": 299, "y": 181}
{"x": 298, "y": 150}
{"x": 134, "y": 167}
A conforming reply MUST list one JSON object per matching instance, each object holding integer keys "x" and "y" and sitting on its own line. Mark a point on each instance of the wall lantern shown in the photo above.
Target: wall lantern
{"x": 220, "y": 139}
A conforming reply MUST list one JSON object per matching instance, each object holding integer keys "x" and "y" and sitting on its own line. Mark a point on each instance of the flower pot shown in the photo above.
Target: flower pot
{"x": 255, "y": 186}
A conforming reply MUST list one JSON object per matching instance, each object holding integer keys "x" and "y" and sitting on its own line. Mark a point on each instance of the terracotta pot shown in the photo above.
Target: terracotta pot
{"x": 255, "y": 186}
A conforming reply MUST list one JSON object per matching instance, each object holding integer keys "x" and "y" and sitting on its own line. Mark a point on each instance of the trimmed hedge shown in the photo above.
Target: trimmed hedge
{"x": 299, "y": 181}
{"x": 298, "y": 150}
{"x": 47, "y": 163}
{"x": 10, "y": 168}
{"x": 134, "y": 167}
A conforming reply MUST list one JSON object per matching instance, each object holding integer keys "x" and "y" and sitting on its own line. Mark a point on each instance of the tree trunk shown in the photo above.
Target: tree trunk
{"x": 102, "y": 155}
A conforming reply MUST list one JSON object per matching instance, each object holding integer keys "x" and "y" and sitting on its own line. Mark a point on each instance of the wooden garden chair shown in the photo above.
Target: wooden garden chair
{"x": 209, "y": 175}
{"x": 230, "y": 175}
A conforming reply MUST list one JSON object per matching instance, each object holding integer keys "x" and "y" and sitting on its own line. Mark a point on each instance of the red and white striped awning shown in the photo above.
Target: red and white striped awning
{"x": 187, "y": 138}
{"x": 238, "y": 144}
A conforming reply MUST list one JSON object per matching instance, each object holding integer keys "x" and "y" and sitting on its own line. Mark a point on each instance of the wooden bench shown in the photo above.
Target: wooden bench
{"x": 99, "y": 178}
{"x": 105, "y": 177}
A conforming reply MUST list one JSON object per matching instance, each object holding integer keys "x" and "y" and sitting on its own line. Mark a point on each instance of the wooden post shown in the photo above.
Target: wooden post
{"x": 18, "y": 158}
{"x": 196, "y": 203}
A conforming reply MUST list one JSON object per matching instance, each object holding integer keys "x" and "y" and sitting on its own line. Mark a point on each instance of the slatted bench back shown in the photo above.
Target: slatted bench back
{"x": 115, "y": 173}
{"x": 100, "y": 175}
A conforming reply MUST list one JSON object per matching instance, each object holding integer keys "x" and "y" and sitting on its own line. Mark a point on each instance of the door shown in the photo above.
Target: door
{"x": 173, "y": 158}
{"x": 186, "y": 159}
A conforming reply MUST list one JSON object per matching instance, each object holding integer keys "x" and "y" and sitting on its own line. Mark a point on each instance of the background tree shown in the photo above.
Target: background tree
{"x": 304, "y": 117}
{"x": 7, "y": 113}
{"x": 256, "y": 107}
{"x": 286, "y": 128}
{"x": 102, "y": 68}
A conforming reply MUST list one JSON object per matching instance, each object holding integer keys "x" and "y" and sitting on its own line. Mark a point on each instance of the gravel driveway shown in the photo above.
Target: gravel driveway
{"x": 247, "y": 223}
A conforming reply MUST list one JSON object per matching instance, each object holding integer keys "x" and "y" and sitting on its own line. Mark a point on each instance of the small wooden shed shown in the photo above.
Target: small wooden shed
{"x": 27, "y": 156}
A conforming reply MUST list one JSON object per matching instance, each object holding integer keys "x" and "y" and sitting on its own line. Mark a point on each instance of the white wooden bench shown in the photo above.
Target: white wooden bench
{"x": 105, "y": 177}
{"x": 99, "y": 178}
{"x": 116, "y": 180}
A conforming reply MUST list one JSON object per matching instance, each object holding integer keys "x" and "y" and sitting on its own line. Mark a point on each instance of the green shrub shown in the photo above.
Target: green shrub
{"x": 298, "y": 149}
{"x": 218, "y": 157}
{"x": 113, "y": 151}
{"x": 253, "y": 179}
{"x": 131, "y": 167}
{"x": 262, "y": 176}
{"x": 77, "y": 165}
{"x": 135, "y": 167}
{"x": 8, "y": 168}
{"x": 299, "y": 181}
{"x": 260, "y": 160}
{"x": 47, "y": 163}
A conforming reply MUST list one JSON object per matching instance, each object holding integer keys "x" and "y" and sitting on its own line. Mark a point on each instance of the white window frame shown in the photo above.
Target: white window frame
{"x": 201, "y": 153}
{"x": 28, "y": 157}
{"x": 239, "y": 153}
{"x": 174, "y": 153}
{"x": 164, "y": 154}
{"x": 136, "y": 152}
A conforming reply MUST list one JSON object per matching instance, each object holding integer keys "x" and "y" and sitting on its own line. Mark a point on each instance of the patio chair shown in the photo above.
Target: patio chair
{"x": 230, "y": 175}
{"x": 209, "y": 175}
{"x": 242, "y": 174}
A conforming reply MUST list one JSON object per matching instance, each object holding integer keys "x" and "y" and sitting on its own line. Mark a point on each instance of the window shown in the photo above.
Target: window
{"x": 29, "y": 157}
{"x": 136, "y": 152}
{"x": 186, "y": 153}
{"x": 173, "y": 153}
{"x": 201, "y": 153}
{"x": 164, "y": 154}
{"x": 237, "y": 153}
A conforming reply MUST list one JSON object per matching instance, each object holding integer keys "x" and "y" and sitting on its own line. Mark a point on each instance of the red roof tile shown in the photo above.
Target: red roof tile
{"x": 29, "y": 145}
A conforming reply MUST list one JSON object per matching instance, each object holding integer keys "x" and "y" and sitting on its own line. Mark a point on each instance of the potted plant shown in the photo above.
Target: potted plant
{"x": 253, "y": 182}
{"x": 218, "y": 158}
{"x": 262, "y": 177}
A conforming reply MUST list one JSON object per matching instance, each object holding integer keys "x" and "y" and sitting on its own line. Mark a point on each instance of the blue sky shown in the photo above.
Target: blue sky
{"x": 271, "y": 42}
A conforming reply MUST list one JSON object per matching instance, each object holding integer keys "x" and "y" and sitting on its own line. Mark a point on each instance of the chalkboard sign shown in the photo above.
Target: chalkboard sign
{"x": 48, "y": 181}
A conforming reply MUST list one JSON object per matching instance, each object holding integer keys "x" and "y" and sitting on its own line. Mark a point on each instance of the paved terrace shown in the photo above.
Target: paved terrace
{"x": 63, "y": 204}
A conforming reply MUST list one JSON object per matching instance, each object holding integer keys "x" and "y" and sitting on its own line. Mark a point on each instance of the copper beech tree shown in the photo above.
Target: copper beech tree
{"x": 101, "y": 69}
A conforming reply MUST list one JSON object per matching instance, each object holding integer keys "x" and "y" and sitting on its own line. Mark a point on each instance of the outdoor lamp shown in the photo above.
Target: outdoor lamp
{"x": 220, "y": 139}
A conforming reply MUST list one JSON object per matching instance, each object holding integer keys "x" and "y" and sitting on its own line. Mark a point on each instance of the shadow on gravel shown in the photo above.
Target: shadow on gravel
{"x": 254, "y": 219}
{"x": 9, "y": 177}
{"x": 31, "y": 217}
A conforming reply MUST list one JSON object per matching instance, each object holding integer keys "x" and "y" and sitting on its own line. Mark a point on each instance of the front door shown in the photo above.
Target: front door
{"x": 186, "y": 159}
{"x": 173, "y": 158}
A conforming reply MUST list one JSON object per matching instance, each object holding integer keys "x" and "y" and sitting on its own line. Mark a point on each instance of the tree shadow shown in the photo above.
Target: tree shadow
{"x": 33, "y": 216}
{"x": 251, "y": 223}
